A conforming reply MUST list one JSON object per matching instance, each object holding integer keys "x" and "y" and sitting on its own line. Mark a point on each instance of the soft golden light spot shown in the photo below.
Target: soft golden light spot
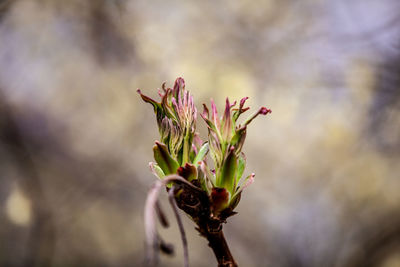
{"x": 392, "y": 261}
{"x": 235, "y": 83}
{"x": 18, "y": 208}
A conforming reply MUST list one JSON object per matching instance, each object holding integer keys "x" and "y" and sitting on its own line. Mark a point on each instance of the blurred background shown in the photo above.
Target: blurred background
{"x": 76, "y": 139}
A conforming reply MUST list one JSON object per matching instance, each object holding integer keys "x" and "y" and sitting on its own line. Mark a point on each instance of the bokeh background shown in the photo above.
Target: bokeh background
{"x": 76, "y": 139}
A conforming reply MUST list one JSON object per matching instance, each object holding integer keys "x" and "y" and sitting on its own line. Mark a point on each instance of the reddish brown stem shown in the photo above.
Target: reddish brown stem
{"x": 217, "y": 242}
{"x": 197, "y": 205}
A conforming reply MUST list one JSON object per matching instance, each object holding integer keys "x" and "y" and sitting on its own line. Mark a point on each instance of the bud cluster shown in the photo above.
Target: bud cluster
{"x": 181, "y": 151}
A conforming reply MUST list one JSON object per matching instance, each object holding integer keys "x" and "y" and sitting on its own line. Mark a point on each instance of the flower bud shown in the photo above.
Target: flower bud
{"x": 176, "y": 118}
{"x": 226, "y": 138}
{"x": 180, "y": 150}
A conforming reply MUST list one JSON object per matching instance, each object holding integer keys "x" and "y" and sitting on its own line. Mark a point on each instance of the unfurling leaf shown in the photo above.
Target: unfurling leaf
{"x": 156, "y": 170}
{"x": 164, "y": 160}
{"x": 228, "y": 173}
{"x": 248, "y": 181}
{"x": 241, "y": 167}
{"x": 202, "y": 153}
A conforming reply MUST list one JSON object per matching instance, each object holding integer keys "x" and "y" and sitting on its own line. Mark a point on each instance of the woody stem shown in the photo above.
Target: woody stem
{"x": 218, "y": 244}
{"x": 197, "y": 205}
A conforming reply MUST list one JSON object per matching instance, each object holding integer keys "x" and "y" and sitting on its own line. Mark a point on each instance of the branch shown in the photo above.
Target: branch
{"x": 208, "y": 226}
{"x": 217, "y": 243}
{"x": 153, "y": 240}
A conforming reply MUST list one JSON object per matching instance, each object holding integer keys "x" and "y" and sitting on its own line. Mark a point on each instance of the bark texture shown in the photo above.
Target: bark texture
{"x": 197, "y": 205}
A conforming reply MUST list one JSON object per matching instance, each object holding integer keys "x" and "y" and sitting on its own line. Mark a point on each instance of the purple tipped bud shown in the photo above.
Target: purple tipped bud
{"x": 240, "y": 110}
{"x": 214, "y": 113}
{"x": 242, "y": 101}
{"x": 264, "y": 111}
{"x": 179, "y": 83}
{"x": 226, "y": 139}
{"x": 249, "y": 181}
{"x": 205, "y": 111}
{"x": 176, "y": 107}
{"x": 227, "y": 127}
{"x": 146, "y": 98}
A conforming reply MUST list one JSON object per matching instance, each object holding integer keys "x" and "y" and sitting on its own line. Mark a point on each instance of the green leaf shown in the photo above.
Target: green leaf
{"x": 202, "y": 153}
{"x": 209, "y": 176}
{"x": 235, "y": 200}
{"x": 240, "y": 168}
{"x": 156, "y": 170}
{"x": 147, "y": 99}
{"x": 186, "y": 149}
{"x": 164, "y": 160}
{"x": 238, "y": 139}
{"x": 248, "y": 181}
{"x": 167, "y": 108}
{"x": 158, "y": 109}
{"x": 228, "y": 172}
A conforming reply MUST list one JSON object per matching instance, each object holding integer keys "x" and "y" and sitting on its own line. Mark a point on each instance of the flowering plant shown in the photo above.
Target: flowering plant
{"x": 208, "y": 196}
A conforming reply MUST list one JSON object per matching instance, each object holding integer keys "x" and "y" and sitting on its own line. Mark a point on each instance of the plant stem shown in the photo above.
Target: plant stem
{"x": 217, "y": 242}
{"x": 196, "y": 204}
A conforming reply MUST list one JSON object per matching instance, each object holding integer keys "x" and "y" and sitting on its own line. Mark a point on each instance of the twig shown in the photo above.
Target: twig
{"x": 152, "y": 238}
{"x": 161, "y": 215}
{"x": 217, "y": 242}
{"x": 171, "y": 196}
{"x": 150, "y": 225}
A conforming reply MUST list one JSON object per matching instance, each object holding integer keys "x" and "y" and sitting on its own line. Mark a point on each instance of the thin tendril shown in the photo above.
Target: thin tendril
{"x": 161, "y": 215}
{"x": 171, "y": 196}
{"x": 152, "y": 238}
